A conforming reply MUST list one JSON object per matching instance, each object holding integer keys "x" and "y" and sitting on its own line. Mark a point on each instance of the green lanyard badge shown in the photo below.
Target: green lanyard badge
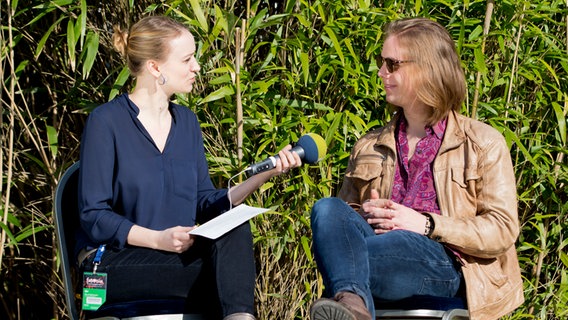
{"x": 94, "y": 284}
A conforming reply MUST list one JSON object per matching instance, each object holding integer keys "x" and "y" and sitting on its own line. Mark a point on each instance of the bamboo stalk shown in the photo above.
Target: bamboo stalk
{"x": 10, "y": 142}
{"x": 515, "y": 58}
{"x": 243, "y": 39}
{"x": 486, "y": 26}
{"x": 248, "y": 10}
{"x": 238, "y": 97}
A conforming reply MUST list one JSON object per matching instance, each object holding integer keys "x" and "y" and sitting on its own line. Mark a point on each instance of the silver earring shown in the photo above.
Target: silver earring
{"x": 162, "y": 80}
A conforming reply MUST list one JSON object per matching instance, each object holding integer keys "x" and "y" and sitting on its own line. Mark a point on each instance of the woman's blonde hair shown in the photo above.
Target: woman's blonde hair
{"x": 148, "y": 39}
{"x": 439, "y": 79}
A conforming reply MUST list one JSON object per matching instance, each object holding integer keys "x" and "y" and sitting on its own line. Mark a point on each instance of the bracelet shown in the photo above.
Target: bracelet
{"x": 429, "y": 227}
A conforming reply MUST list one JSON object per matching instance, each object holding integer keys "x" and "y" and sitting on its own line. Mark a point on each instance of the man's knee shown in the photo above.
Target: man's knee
{"x": 326, "y": 206}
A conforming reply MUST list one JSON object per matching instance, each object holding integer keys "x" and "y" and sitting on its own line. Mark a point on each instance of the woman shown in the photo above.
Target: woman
{"x": 428, "y": 203}
{"x": 144, "y": 184}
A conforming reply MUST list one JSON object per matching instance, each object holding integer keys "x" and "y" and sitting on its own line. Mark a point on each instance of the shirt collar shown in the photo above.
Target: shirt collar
{"x": 135, "y": 110}
{"x": 438, "y": 129}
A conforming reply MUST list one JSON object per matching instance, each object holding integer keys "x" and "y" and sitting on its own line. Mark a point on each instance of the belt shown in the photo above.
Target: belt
{"x": 84, "y": 254}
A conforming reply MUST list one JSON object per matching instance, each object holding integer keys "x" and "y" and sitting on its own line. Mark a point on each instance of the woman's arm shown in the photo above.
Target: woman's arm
{"x": 287, "y": 160}
{"x": 176, "y": 239}
{"x": 98, "y": 220}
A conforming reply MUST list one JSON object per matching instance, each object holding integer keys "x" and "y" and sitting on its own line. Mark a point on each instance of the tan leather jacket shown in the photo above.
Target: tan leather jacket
{"x": 475, "y": 183}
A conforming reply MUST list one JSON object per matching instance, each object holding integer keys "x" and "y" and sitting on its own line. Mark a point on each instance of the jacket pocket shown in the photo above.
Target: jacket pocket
{"x": 494, "y": 273}
{"x": 367, "y": 167}
{"x": 486, "y": 281}
{"x": 365, "y": 174}
{"x": 366, "y": 171}
{"x": 462, "y": 176}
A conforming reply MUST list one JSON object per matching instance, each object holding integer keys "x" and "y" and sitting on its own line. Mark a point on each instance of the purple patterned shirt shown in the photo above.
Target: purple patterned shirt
{"x": 413, "y": 179}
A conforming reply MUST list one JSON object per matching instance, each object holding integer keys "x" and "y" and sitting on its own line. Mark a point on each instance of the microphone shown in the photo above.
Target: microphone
{"x": 310, "y": 147}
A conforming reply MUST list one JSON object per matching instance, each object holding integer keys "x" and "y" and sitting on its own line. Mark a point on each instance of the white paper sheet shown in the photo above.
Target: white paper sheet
{"x": 218, "y": 226}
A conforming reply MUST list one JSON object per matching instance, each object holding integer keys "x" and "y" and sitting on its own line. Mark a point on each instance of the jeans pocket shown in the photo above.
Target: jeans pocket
{"x": 440, "y": 287}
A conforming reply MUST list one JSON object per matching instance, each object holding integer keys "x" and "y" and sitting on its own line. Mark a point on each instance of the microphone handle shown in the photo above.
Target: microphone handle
{"x": 264, "y": 165}
{"x": 270, "y": 162}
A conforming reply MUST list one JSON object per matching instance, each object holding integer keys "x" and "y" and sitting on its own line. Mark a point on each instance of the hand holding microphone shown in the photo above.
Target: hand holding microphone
{"x": 311, "y": 148}
{"x": 285, "y": 160}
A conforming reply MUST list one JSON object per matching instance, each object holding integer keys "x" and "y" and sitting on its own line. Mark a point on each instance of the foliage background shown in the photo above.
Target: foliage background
{"x": 307, "y": 66}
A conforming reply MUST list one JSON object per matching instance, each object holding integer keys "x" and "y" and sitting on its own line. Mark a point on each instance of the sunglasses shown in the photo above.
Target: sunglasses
{"x": 392, "y": 65}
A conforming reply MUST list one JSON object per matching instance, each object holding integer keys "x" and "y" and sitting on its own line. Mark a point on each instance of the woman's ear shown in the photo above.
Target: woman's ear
{"x": 153, "y": 67}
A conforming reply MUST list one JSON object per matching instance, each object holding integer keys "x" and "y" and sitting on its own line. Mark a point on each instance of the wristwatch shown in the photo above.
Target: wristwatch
{"x": 429, "y": 227}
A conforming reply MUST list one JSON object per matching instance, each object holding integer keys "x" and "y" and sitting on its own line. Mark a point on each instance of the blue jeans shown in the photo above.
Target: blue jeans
{"x": 216, "y": 277}
{"x": 391, "y": 266}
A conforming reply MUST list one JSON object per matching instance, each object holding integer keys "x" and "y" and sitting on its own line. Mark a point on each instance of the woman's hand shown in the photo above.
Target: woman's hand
{"x": 176, "y": 239}
{"x": 287, "y": 160}
{"x": 385, "y": 215}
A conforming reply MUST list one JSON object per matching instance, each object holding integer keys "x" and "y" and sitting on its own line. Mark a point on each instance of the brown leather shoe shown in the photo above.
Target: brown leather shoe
{"x": 344, "y": 306}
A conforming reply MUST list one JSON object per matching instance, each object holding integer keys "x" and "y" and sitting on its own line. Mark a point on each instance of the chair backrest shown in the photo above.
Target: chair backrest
{"x": 66, "y": 210}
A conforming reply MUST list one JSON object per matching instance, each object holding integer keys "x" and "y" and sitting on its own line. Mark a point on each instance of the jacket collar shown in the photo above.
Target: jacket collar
{"x": 387, "y": 136}
{"x": 453, "y": 137}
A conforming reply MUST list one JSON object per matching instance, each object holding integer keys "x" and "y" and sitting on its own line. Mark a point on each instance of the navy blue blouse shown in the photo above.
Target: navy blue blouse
{"x": 124, "y": 179}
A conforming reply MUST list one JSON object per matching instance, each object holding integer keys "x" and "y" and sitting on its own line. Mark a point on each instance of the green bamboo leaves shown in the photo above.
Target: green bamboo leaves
{"x": 77, "y": 33}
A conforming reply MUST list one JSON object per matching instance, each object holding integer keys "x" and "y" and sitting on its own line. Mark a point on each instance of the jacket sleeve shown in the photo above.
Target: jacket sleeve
{"x": 371, "y": 166}
{"x": 368, "y": 168}
{"x": 482, "y": 218}
{"x": 349, "y": 191}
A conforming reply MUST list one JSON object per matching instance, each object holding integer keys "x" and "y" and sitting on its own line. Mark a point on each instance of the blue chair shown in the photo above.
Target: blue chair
{"x": 66, "y": 210}
{"x": 423, "y": 307}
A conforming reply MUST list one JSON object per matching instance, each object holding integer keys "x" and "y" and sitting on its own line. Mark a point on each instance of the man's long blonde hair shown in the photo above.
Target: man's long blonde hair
{"x": 439, "y": 78}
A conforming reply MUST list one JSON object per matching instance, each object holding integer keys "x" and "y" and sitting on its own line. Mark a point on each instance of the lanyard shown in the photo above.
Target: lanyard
{"x": 98, "y": 257}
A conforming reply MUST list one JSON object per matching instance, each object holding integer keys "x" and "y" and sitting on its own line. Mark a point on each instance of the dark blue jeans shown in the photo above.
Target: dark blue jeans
{"x": 217, "y": 276}
{"x": 391, "y": 266}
